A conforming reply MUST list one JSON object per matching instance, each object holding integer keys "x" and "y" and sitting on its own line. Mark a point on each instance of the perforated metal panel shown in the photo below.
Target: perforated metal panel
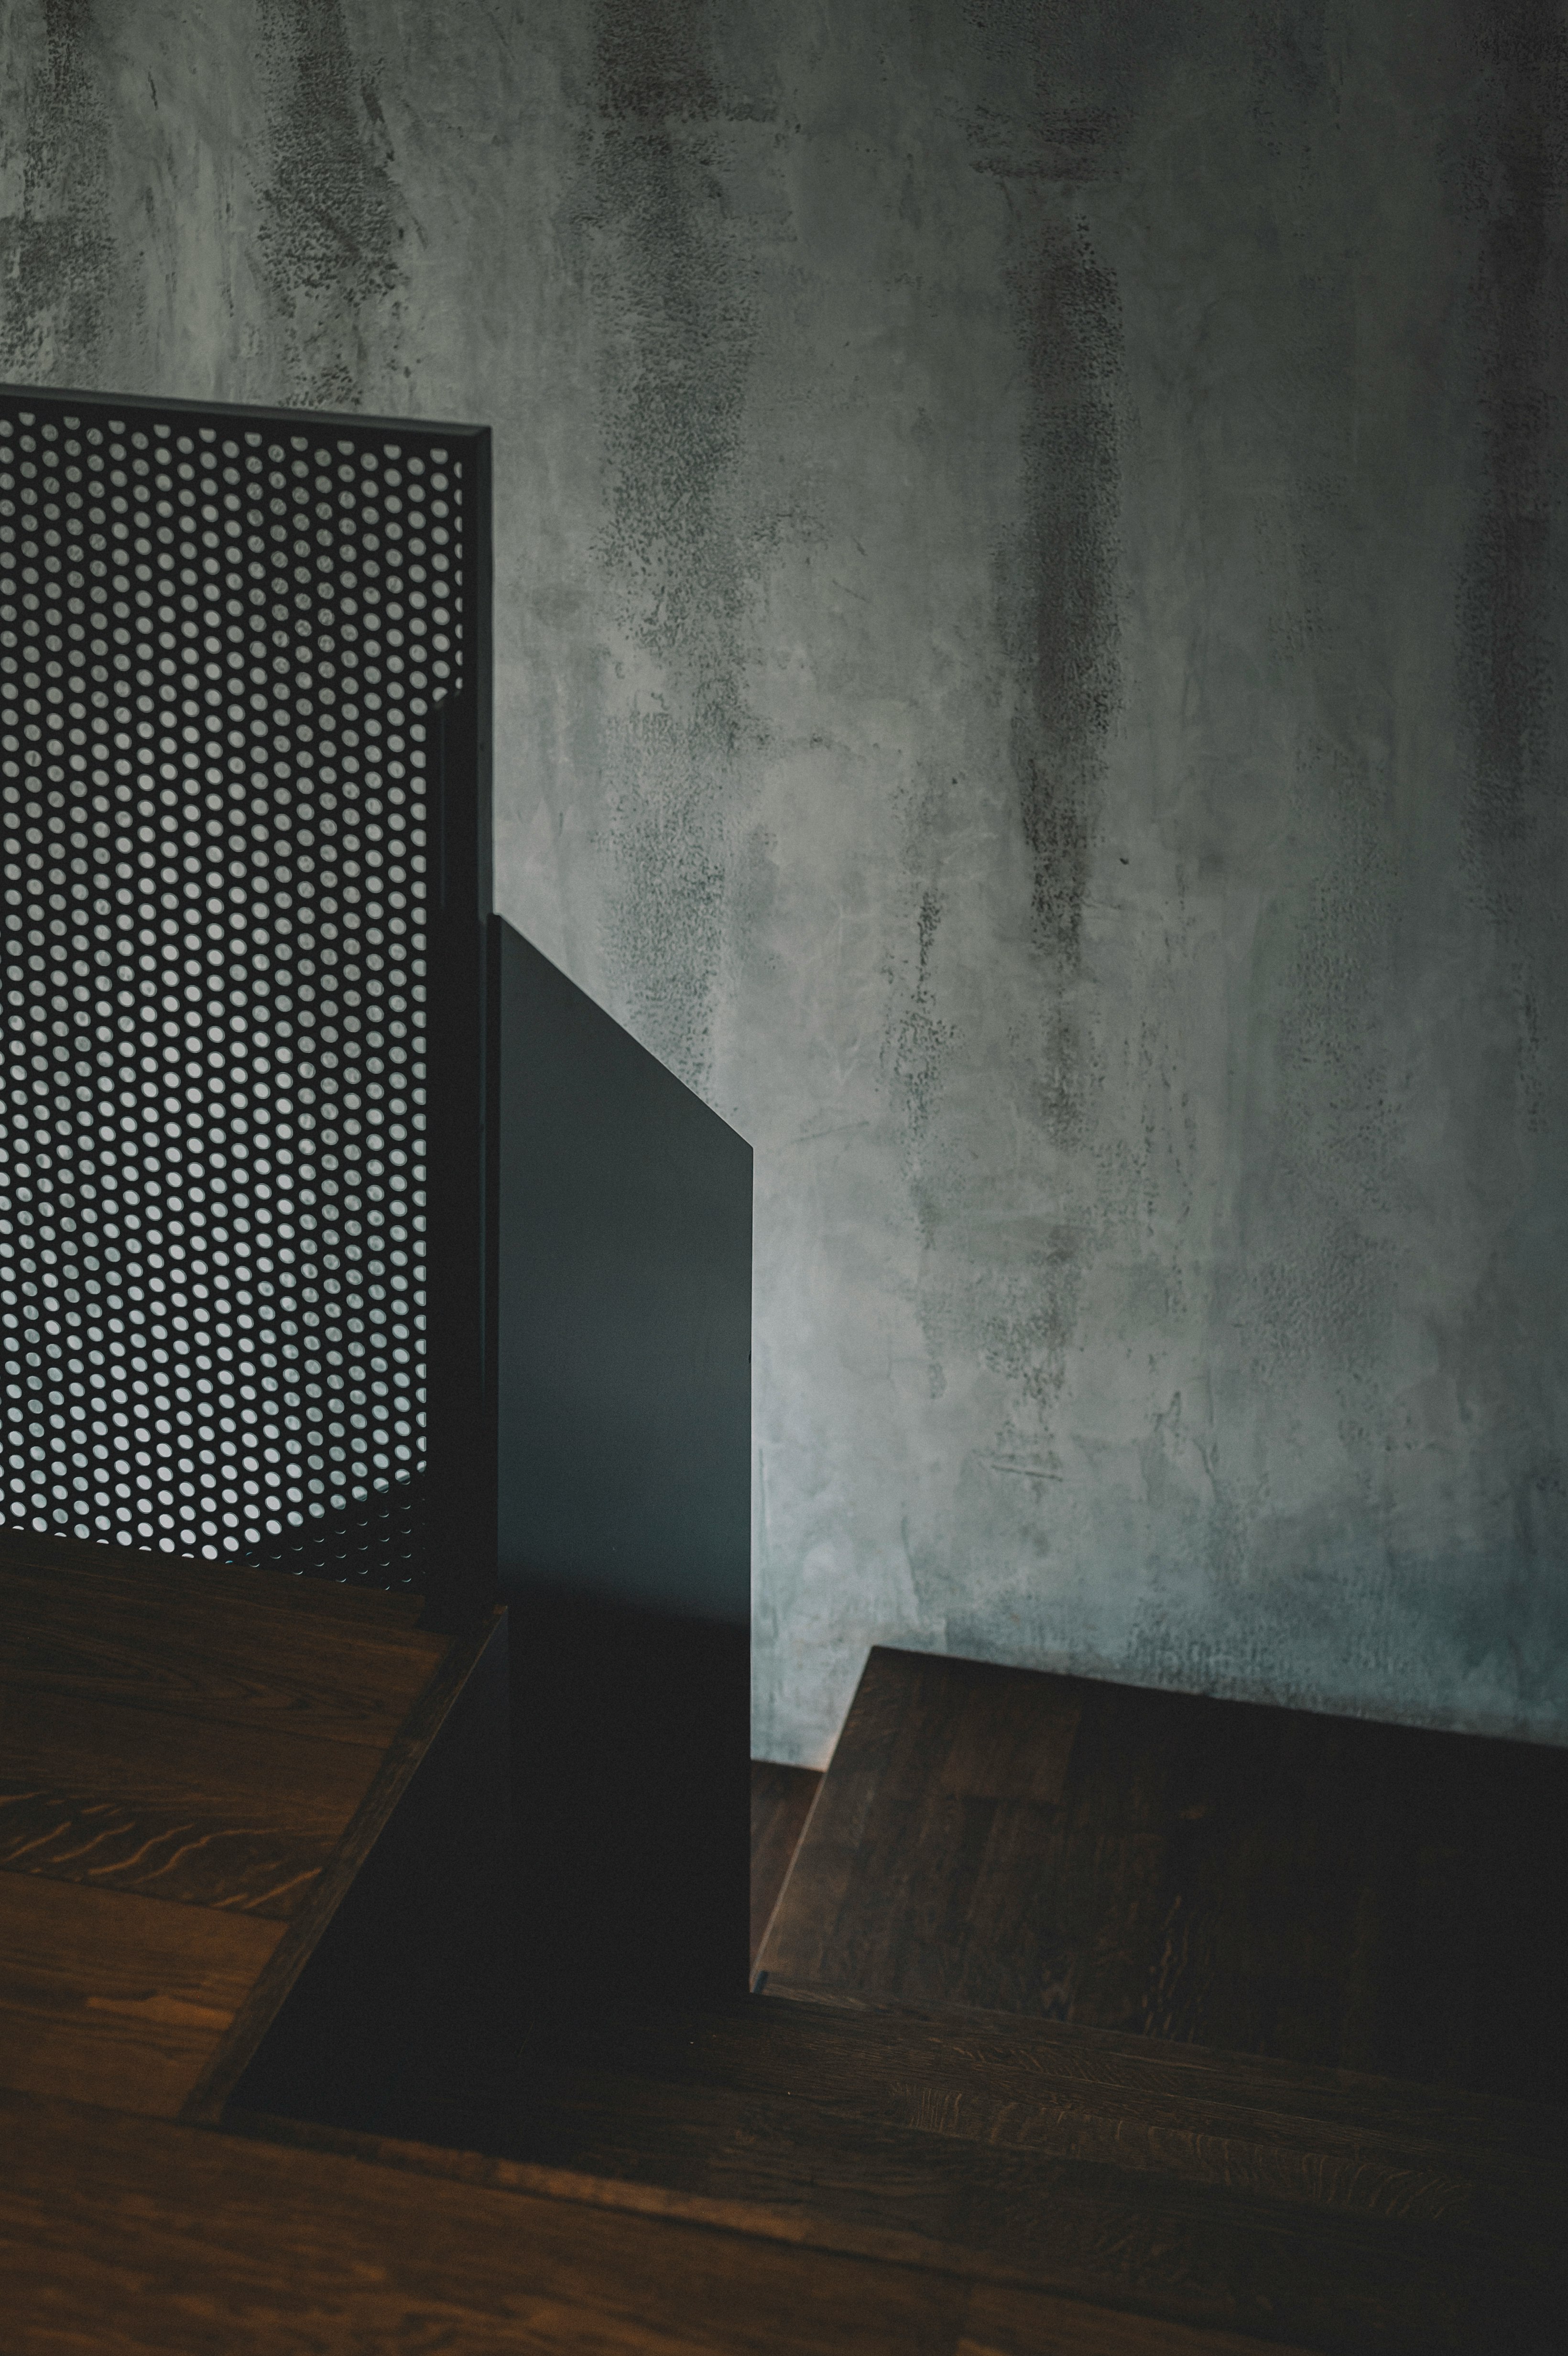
{"x": 221, "y": 640}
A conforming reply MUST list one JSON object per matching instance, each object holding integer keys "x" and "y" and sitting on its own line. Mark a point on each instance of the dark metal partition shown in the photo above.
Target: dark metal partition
{"x": 624, "y": 1389}
{"x": 623, "y": 1252}
{"x": 244, "y": 810}
{"x": 315, "y": 1177}
{"x": 620, "y": 1257}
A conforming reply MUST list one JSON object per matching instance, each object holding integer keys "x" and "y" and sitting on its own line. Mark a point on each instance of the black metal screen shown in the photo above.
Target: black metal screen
{"x": 222, "y": 637}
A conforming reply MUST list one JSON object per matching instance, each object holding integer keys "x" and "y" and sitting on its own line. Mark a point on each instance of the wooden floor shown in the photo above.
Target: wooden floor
{"x": 1258, "y": 2187}
{"x": 1086, "y": 2022}
{"x": 122, "y": 2236}
{"x": 194, "y": 1764}
{"x": 1205, "y": 2188}
{"x": 1322, "y": 1890}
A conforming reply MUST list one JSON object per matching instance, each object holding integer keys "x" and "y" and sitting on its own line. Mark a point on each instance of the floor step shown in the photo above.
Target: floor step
{"x": 122, "y": 2236}
{"x": 1120, "y": 1874}
{"x": 194, "y": 1764}
{"x": 1322, "y": 1890}
{"x": 1210, "y": 2189}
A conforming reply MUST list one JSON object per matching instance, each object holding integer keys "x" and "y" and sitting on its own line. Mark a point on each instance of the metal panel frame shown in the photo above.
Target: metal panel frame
{"x": 460, "y": 1343}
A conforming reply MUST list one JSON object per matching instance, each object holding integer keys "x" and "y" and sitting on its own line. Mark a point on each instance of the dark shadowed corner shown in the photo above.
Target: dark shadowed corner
{"x": 57, "y": 253}
{"x": 332, "y": 218}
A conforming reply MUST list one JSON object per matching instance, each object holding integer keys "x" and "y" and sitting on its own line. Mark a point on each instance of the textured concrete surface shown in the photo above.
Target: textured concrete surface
{"x": 1031, "y": 622}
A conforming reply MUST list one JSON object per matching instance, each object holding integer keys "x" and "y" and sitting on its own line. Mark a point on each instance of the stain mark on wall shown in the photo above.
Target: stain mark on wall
{"x": 1054, "y": 94}
{"x": 675, "y": 306}
{"x": 332, "y": 220}
{"x": 57, "y": 268}
{"x": 1059, "y": 602}
{"x": 918, "y": 1051}
{"x": 921, "y": 1035}
{"x": 1513, "y": 178}
{"x": 1066, "y": 88}
{"x": 650, "y": 61}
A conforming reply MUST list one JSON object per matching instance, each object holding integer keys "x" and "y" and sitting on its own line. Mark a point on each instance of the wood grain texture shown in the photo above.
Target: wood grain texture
{"x": 781, "y": 1803}
{"x": 1234, "y": 2194}
{"x": 189, "y": 1759}
{"x": 1015, "y": 2313}
{"x": 1323, "y": 1889}
{"x": 126, "y": 1798}
{"x": 117, "y": 2235}
{"x": 1318, "y": 2139}
{"x": 1003, "y": 2321}
{"x": 1192, "y": 2085}
{"x": 106, "y": 1997}
{"x": 252, "y": 1650}
{"x": 1012, "y": 2318}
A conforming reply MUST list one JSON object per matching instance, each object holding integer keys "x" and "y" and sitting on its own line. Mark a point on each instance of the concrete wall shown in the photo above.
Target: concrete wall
{"x": 1031, "y": 610}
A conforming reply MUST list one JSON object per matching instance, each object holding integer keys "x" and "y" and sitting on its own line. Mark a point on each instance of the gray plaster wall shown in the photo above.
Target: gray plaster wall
{"x": 1030, "y": 626}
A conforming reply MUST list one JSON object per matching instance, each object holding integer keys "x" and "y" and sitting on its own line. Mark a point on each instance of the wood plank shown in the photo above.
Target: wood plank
{"x": 1207, "y": 2255}
{"x": 1196, "y": 2085}
{"x": 201, "y": 1657}
{"x": 119, "y": 2236}
{"x": 1002, "y": 2321}
{"x": 1321, "y": 2140}
{"x": 1217, "y": 2190}
{"x": 1002, "y": 2307}
{"x": 125, "y": 1798}
{"x": 1261, "y": 1881}
{"x": 112, "y": 1998}
{"x": 177, "y": 1840}
{"x": 781, "y": 1803}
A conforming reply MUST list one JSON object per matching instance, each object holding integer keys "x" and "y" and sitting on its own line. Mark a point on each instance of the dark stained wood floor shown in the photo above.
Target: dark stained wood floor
{"x": 1235, "y": 2192}
{"x": 859, "y": 2157}
{"x": 122, "y": 2236}
{"x": 1322, "y": 1890}
{"x": 194, "y": 1763}
{"x": 1213, "y": 2190}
